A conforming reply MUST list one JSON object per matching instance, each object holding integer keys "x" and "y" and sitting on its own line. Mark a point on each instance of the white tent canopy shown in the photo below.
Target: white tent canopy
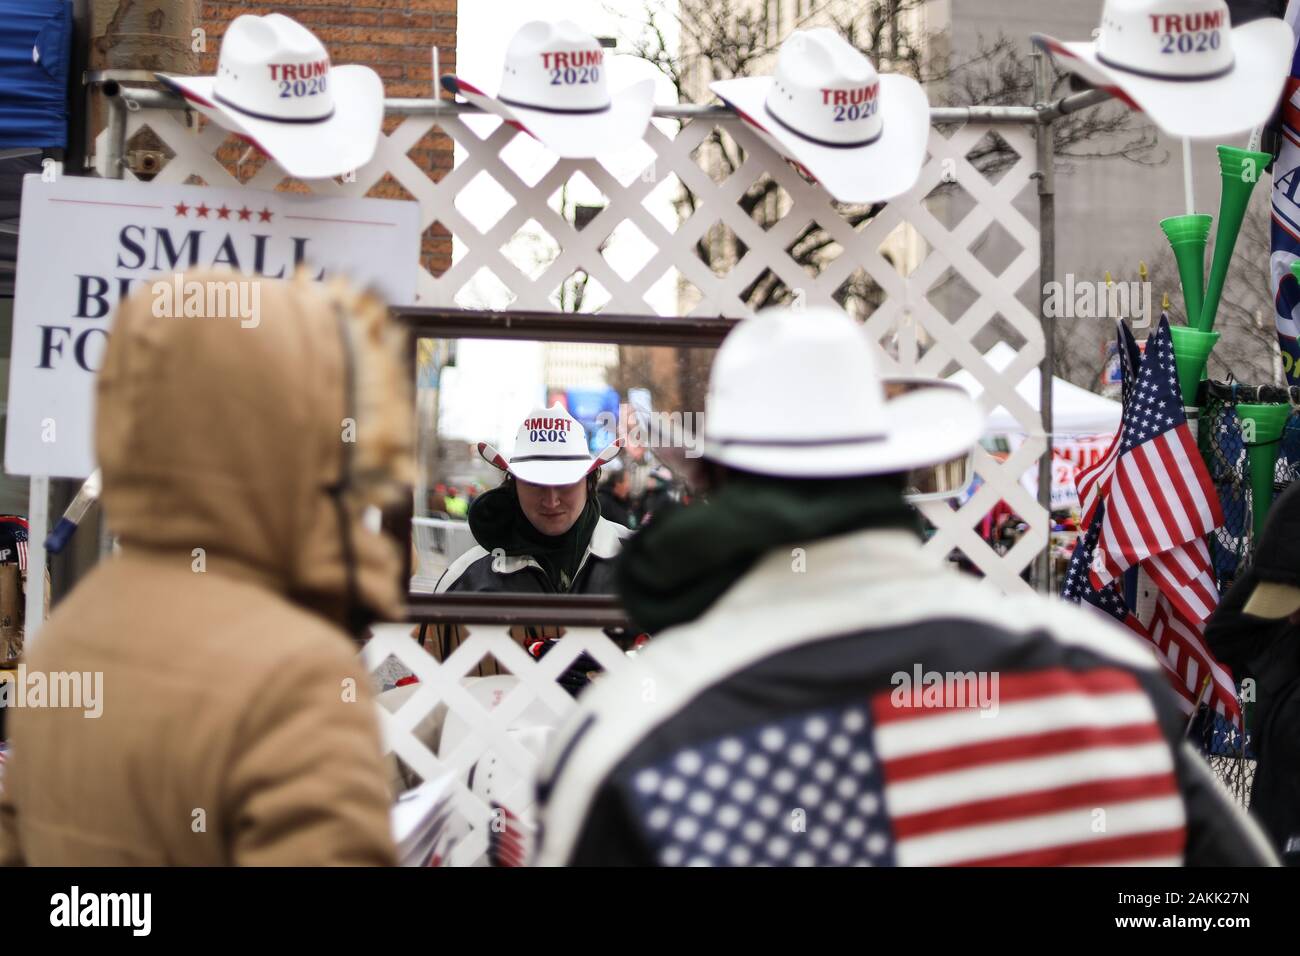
{"x": 1075, "y": 410}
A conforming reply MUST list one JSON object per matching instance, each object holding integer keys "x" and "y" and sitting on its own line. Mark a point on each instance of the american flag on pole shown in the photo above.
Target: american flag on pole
{"x": 1091, "y": 480}
{"x": 1182, "y": 574}
{"x": 13, "y": 541}
{"x": 1159, "y": 496}
{"x": 1182, "y": 651}
{"x": 1078, "y": 583}
{"x": 1109, "y": 600}
{"x": 1186, "y": 579}
{"x": 510, "y": 839}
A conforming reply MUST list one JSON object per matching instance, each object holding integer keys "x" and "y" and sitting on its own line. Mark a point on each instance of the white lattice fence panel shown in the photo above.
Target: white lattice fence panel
{"x": 909, "y": 321}
{"x": 441, "y": 684}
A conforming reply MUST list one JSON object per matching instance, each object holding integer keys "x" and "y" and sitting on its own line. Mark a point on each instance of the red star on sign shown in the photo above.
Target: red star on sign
{"x": 182, "y": 209}
{"x": 223, "y": 212}
{"x": 264, "y": 215}
{"x": 244, "y": 213}
{"x": 201, "y": 210}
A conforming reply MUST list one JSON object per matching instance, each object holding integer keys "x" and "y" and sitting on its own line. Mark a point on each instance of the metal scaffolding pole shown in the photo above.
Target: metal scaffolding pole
{"x": 1046, "y": 274}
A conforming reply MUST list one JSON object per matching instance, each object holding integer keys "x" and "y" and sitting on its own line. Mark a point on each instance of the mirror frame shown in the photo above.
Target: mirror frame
{"x": 576, "y": 610}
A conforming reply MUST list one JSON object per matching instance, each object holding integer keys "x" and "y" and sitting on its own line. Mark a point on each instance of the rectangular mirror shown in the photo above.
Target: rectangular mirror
{"x": 479, "y": 377}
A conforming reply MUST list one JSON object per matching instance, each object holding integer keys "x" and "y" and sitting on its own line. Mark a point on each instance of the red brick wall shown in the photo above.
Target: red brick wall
{"x": 392, "y": 37}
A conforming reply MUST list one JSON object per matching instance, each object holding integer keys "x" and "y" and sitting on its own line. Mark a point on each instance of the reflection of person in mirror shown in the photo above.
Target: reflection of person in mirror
{"x": 615, "y": 495}
{"x": 658, "y": 494}
{"x": 541, "y": 531}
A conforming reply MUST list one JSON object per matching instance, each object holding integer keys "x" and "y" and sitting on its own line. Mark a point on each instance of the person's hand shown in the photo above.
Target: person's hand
{"x": 578, "y": 674}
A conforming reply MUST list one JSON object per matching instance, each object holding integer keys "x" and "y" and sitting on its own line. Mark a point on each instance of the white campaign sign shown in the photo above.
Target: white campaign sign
{"x": 86, "y": 243}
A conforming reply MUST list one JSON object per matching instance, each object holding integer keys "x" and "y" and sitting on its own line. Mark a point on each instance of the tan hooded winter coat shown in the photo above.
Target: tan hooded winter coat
{"x": 237, "y": 725}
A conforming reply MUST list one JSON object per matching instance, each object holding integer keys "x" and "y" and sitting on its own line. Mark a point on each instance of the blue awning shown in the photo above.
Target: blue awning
{"x": 34, "y": 57}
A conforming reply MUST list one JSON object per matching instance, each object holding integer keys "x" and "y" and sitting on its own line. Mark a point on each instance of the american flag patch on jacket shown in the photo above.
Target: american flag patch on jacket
{"x": 1065, "y": 768}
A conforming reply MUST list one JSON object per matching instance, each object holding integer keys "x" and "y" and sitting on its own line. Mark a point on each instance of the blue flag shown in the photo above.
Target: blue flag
{"x": 1286, "y": 217}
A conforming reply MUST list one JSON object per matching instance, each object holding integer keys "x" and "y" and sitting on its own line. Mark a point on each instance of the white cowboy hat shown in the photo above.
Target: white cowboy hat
{"x": 550, "y": 449}
{"x": 796, "y": 394}
{"x": 275, "y": 86}
{"x": 1183, "y": 64}
{"x": 555, "y": 87}
{"x": 860, "y": 134}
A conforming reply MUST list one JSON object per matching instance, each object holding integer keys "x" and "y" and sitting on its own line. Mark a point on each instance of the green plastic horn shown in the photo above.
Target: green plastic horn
{"x": 1266, "y": 423}
{"x": 1191, "y": 352}
{"x": 1240, "y": 169}
{"x": 1187, "y": 235}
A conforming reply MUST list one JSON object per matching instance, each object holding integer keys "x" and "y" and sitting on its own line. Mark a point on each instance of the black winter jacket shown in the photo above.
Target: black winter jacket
{"x": 1267, "y": 652}
{"x": 481, "y": 571}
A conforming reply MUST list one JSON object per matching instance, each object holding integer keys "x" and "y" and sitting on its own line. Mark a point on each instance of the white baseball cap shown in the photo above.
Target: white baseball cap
{"x": 555, "y": 87}
{"x": 1183, "y": 64}
{"x": 275, "y": 85}
{"x": 860, "y": 134}
{"x": 550, "y": 449}
{"x": 796, "y": 394}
